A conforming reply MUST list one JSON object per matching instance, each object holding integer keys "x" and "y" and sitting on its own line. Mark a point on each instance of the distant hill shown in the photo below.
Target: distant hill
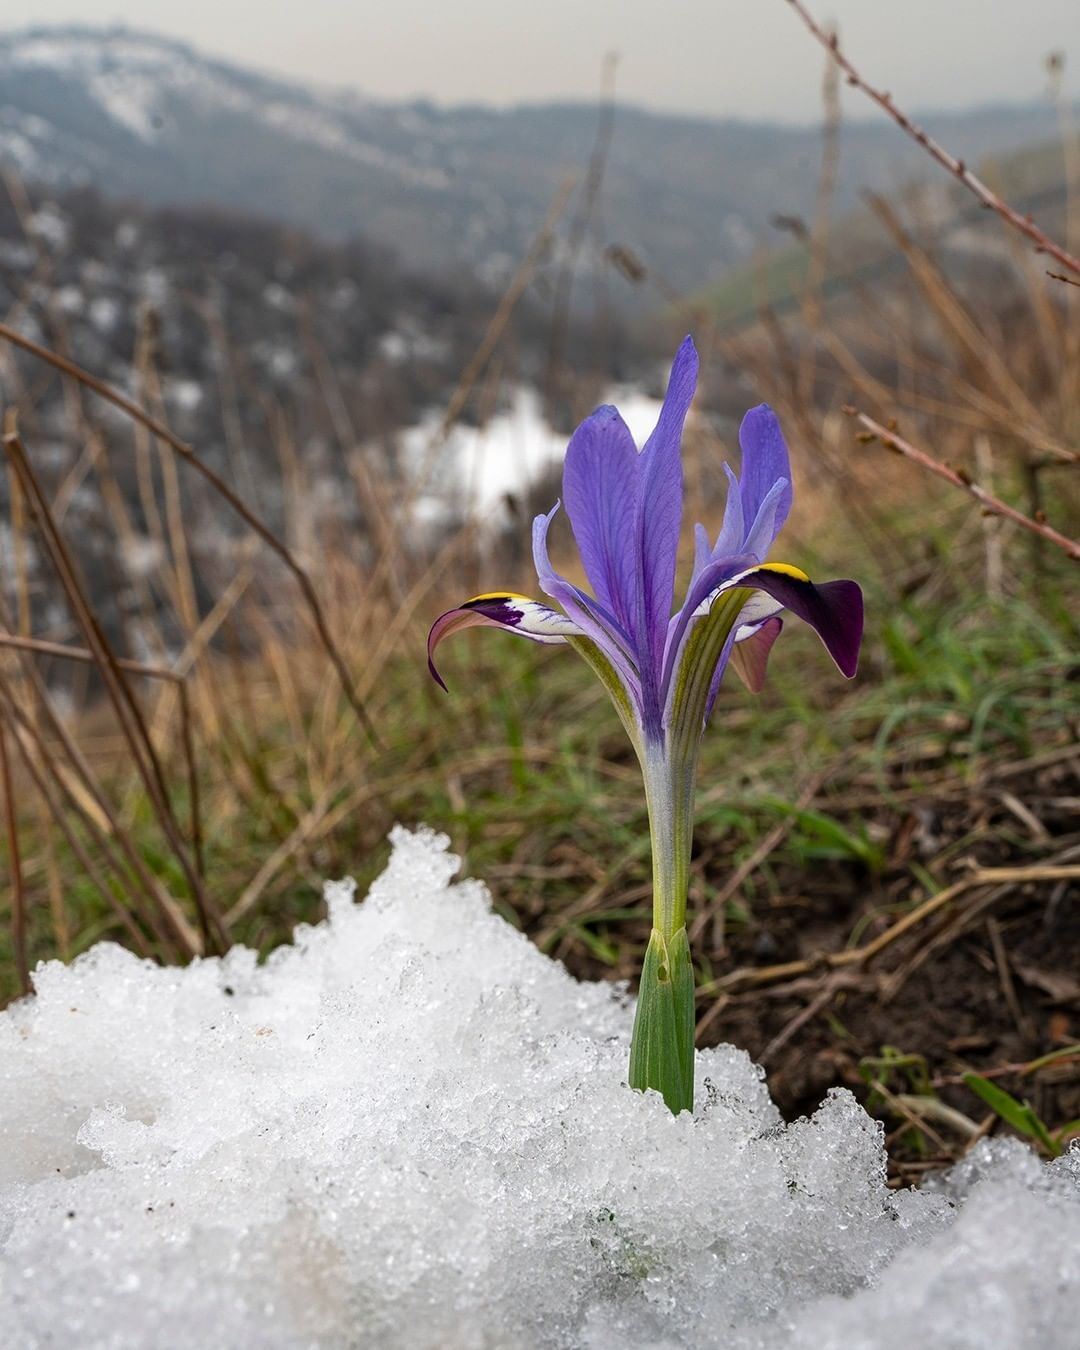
{"x": 138, "y": 115}
{"x": 941, "y": 215}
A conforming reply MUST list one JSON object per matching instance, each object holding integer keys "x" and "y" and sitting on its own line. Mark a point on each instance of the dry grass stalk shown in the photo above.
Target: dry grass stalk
{"x": 219, "y": 485}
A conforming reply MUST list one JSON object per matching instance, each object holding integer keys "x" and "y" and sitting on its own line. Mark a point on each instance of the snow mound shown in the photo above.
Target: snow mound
{"x": 411, "y": 1129}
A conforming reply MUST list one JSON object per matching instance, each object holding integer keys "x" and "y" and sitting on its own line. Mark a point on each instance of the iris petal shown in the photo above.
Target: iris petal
{"x": 600, "y": 482}
{"x": 764, "y": 462}
{"x": 834, "y": 610}
{"x": 500, "y": 609}
{"x": 750, "y": 655}
{"x": 733, "y": 530}
{"x": 659, "y": 508}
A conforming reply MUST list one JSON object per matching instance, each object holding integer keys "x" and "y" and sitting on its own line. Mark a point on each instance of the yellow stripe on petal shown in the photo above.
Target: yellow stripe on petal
{"x": 785, "y": 570}
{"x": 497, "y": 595}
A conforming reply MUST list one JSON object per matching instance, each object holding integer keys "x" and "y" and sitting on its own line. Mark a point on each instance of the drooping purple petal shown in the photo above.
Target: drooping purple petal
{"x": 764, "y": 462}
{"x": 659, "y": 512}
{"x": 834, "y": 610}
{"x": 500, "y": 609}
{"x": 600, "y": 490}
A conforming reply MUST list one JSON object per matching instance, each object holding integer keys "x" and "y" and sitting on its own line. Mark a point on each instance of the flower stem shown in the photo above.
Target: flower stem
{"x": 662, "y": 1047}
{"x": 669, "y": 794}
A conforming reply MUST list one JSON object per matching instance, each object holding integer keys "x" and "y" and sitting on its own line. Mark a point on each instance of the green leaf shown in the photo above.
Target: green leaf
{"x": 1020, "y": 1115}
{"x": 662, "y": 1049}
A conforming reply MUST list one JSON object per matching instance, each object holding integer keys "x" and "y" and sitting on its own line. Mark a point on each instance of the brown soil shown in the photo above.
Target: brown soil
{"x": 988, "y": 983}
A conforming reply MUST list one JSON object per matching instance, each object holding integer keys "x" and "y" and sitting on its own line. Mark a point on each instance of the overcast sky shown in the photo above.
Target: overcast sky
{"x": 748, "y": 58}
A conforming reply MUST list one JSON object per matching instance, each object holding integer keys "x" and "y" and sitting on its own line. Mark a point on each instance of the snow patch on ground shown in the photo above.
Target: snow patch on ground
{"x": 411, "y": 1129}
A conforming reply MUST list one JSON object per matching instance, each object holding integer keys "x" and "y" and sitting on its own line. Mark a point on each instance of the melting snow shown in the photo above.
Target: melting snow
{"x": 411, "y": 1129}
{"x": 510, "y": 452}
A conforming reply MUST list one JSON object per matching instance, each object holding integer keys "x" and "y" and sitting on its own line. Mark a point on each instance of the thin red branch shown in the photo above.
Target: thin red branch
{"x": 957, "y": 167}
{"x": 959, "y": 478}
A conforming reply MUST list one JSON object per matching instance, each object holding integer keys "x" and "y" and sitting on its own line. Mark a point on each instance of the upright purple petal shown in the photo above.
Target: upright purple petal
{"x": 600, "y": 490}
{"x": 659, "y": 512}
{"x": 764, "y": 462}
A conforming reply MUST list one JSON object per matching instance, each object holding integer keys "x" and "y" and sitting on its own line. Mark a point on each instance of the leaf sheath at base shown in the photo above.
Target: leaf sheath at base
{"x": 662, "y": 1050}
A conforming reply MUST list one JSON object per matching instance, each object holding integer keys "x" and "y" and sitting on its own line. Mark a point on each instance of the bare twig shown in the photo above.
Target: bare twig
{"x": 891, "y": 441}
{"x": 44, "y": 648}
{"x": 957, "y": 167}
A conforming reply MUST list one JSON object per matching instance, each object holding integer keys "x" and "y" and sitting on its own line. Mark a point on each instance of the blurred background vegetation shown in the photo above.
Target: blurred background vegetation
{"x": 207, "y": 748}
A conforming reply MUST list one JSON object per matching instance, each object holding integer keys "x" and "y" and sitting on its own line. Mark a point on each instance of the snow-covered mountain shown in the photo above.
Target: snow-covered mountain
{"x": 138, "y": 115}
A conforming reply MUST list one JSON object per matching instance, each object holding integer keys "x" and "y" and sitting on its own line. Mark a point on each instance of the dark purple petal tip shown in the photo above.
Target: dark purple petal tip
{"x": 834, "y": 610}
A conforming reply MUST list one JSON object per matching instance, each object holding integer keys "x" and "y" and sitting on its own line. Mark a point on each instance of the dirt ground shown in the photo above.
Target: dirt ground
{"x": 989, "y": 982}
{"x": 975, "y": 968}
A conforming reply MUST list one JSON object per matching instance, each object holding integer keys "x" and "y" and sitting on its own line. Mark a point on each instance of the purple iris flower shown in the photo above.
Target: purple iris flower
{"x": 663, "y": 668}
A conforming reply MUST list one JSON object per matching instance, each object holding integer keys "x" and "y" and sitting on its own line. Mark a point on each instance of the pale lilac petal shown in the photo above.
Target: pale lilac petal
{"x": 761, "y": 534}
{"x": 600, "y": 489}
{"x": 702, "y": 548}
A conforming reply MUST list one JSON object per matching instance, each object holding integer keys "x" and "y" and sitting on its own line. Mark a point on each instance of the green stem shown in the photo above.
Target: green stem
{"x": 669, "y": 795}
{"x": 662, "y": 1047}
